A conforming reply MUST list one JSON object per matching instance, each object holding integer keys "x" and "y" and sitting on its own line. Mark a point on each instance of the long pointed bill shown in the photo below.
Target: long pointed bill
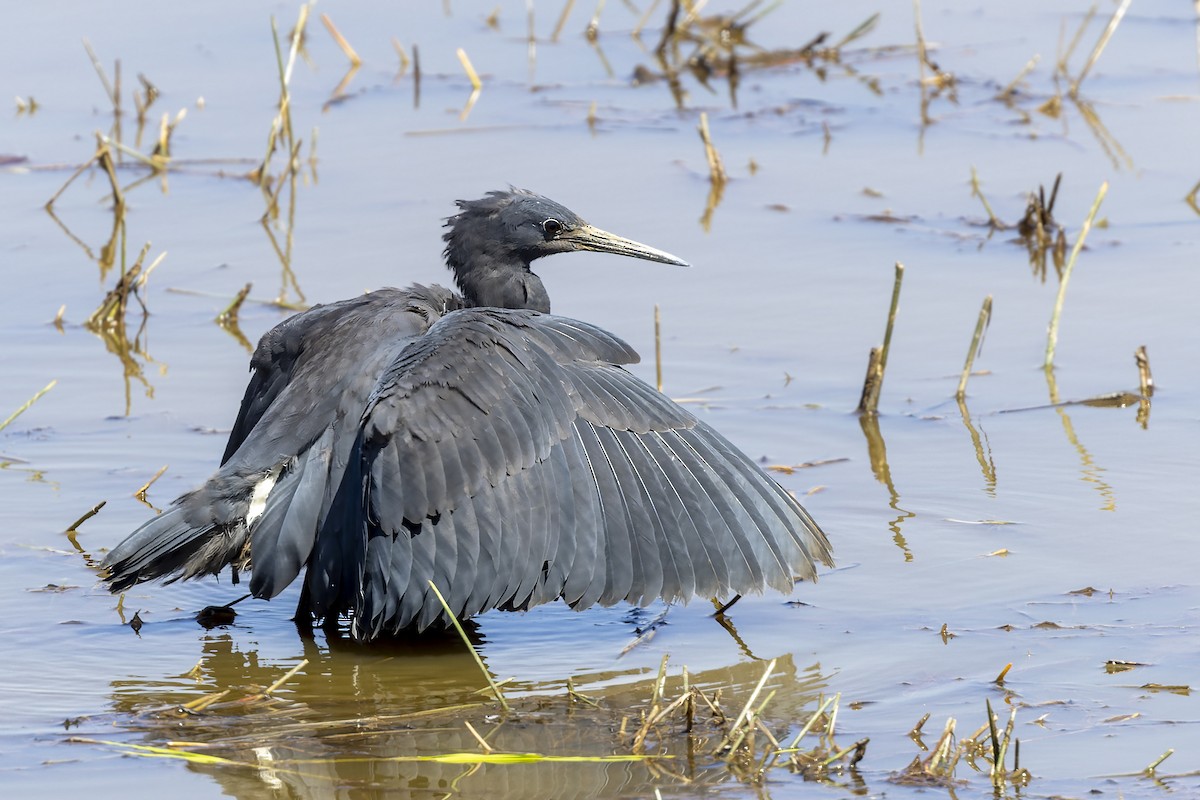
{"x": 587, "y": 237}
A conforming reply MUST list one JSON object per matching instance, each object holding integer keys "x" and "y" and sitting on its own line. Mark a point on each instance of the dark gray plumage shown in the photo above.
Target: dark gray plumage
{"x": 479, "y": 442}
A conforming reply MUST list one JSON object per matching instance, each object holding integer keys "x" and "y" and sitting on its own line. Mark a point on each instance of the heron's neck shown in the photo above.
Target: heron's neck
{"x": 488, "y": 281}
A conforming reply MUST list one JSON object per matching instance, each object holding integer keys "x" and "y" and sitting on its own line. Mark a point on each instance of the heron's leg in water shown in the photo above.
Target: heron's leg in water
{"x": 304, "y": 617}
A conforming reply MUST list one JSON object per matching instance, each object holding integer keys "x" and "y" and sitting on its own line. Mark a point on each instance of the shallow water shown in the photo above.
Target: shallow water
{"x": 768, "y": 331}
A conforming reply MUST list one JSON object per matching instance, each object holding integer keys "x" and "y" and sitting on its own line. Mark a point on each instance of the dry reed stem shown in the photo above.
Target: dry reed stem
{"x": 1066, "y": 54}
{"x": 728, "y": 742}
{"x": 403, "y": 56}
{"x": 25, "y": 406}
{"x": 471, "y": 648}
{"x": 287, "y": 676}
{"x": 229, "y": 315}
{"x": 1009, "y": 90}
{"x": 863, "y": 28}
{"x": 978, "y": 192}
{"x": 877, "y": 362}
{"x": 593, "y": 27}
{"x": 1052, "y": 337}
{"x": 869, "y": 399}
{"x": 891, "y": 322}
{"x": 341, "y": 41}
{"x": 645, "y": 18}
{"x": 109, "y": 90}
{"x": 91, "y": 512}
{"x": 1111, "y": 28}
{"x": 472, "y": 75}
{"x": 201, "y": 703}
{"x": 140, "y": 494}
{"x": 1145, "y": 379}
{"x": 562, "y": 20}
{"x": 985, "y": 316}
{"x": 105, "y": 159}
{"x": 487, "y": 748}
{"x": 416, "y": 57}
{"x": 716, "y": 170}
{"x": 1153, "y": 765}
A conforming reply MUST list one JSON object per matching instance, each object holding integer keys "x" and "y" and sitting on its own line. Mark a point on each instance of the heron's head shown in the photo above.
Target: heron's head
{"x": 516, "y": 226}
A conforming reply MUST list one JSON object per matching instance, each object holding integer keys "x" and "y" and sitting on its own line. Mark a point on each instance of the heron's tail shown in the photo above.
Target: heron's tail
{"x": 172, "y": 543}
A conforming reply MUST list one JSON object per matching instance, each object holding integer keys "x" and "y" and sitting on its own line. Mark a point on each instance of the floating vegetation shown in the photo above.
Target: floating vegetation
{"x": 718, "y": 47}
{"x": 982, "y": 755}
{"x": 1039, "y": 231}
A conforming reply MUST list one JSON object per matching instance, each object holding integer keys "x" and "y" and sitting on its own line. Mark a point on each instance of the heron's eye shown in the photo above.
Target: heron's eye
{"x": 552, "y": 227}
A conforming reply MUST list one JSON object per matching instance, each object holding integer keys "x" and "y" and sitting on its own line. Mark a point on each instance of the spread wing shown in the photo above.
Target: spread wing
{"x": 313, "y": 376}
{"x": 508, "y": 457}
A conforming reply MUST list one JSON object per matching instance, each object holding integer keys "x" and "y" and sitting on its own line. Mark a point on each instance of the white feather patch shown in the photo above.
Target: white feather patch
{"x": 262, "y": 490}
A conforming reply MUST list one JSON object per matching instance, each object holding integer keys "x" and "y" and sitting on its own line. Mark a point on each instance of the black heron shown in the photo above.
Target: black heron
{"x": 476, "y": 441}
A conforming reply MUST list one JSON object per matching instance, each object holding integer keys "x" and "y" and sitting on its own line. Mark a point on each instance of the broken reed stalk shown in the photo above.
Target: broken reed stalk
{"x": 812, "y": 721}
{"x": 877, "y": 363}
{"x": 1052, "y": 338}
{"x": 562, "y": 20}
{"x": 985, "y": 316}
{"x": 658, "y": 348}
{"x": 105, "y": 158}
{"x": 91, "y": 512}
{"x": 472, "y": 75}
{"x": 113, "y": 93}
{"x": 37, "y": 396}
{"x": 281, "y": 125}
{"x": 1152, "y": 767}
{"x": 978, "y": 192}
{"x": 922, "y": 50}
{"x": 140, "y": 494}
{"x": 229, "y": 315}
{"x": 716, "y": 170}
{"x": 1065, "y": 55}
{"x": 891, "y": 321}
{"x": 1145, "y": 379}
{"x": 871, "y": 383}
{"x": 341, "y": 41}
{"x": 287, "y": 676}
{"x": 416, "y": 60}
{"x": 403, "y": 56}
{"x": 470, "y": 647}
{"x": 1117, "y": 16}
{"x": 645, "y": 18}
{"x": 1009, "y": 90}
{"x": 593, "y": 26}
{"x": 732, "y": 738}
{"x": 487, "y": 748}
{"x": 995, "y": 738}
